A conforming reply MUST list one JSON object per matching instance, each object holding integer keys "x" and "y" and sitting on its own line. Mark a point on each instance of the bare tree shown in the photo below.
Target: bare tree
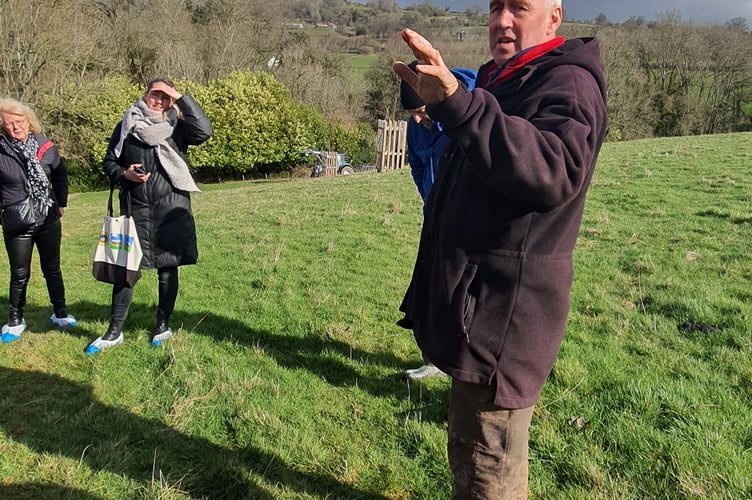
{"x": 320, "y": 77}
{"x": 631, "y": 112}
{"x": 28, "y": 45}
{"x": 738, "y": 24}
{"x": 722, "y": 83}
{"x": 477, "y": 14}
{"x": 634, "y": 22}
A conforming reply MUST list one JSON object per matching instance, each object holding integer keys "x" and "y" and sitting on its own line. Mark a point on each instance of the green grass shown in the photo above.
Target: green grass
{"x": 362, "y": 63}
{"x": 283, "y": 379}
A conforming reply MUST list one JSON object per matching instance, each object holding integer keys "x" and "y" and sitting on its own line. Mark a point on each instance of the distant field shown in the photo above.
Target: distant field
{"x": 283, "y": 380}
{"x": 363, "y": 63}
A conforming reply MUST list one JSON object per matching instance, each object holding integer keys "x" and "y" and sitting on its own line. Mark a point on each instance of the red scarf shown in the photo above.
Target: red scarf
{"x": 519, "y": 60}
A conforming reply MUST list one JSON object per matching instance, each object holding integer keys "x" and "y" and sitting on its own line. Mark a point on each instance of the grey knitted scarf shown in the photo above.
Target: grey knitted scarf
{"x": 153, "y": 128}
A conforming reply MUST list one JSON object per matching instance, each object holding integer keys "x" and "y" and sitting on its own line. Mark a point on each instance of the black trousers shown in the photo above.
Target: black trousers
{"x": 47, "y": 239}
{"x": 123, "y": 295}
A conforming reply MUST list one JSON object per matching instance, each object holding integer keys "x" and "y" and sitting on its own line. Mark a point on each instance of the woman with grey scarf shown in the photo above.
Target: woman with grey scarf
{"x": 148, "y": 159}
{"x": 33, "y": 195}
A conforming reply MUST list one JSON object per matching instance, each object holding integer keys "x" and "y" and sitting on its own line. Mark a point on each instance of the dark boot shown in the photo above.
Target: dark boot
{"x": 114, "y": 331}
{"x": 14, "y": 328}
{"x": 162, "y": 331}
{"x": 163, "y": 322}
{"x": 111, "y": 338}
{"x": 15, "y": 316}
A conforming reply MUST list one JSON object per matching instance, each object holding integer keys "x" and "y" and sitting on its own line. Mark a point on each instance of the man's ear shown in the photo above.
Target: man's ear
{"x": 554, "y": 20}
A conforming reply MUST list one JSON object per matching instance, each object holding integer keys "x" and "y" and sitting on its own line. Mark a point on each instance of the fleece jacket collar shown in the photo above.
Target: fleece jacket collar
{"x": 492, "y": 75}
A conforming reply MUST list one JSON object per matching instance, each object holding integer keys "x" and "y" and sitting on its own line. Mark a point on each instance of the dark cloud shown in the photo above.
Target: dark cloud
{"x": 698, "y": 11}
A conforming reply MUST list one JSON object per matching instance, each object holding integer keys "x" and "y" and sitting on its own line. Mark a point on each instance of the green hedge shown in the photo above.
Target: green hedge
{"x": 258, "y": 128}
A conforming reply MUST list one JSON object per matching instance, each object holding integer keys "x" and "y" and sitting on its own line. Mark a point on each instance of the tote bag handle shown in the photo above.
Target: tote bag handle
{"x": 127, "y": 204}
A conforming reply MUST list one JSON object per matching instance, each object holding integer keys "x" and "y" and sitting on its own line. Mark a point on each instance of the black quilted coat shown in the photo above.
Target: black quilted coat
{"x": 13, "y": 174}
{"x": 163, "y": 215}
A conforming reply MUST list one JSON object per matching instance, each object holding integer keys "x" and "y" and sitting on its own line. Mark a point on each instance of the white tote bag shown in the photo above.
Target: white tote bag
{"x": 117, "y": 257}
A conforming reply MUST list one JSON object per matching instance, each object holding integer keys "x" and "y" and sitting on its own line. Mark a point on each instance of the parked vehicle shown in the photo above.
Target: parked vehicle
{"x": 343, "y": 165}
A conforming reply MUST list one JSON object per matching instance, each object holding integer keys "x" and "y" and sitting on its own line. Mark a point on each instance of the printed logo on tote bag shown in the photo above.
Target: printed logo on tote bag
{"x": 117, "y": 256}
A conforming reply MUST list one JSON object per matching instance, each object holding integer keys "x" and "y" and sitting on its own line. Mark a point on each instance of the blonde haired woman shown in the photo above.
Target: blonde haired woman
{"x": 33, "y": 196}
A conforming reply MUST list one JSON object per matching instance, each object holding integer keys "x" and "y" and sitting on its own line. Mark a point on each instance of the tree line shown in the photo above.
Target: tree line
{"x": 670, "y": 78}
{"x": 666, "y": 77}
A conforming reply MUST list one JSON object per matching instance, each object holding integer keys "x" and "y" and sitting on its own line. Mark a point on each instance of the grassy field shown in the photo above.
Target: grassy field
{"x": 363, "y": 63}
{"x": 283, "y": 381}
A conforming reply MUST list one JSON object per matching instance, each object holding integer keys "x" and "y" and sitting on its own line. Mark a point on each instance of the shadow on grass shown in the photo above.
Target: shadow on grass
{"x": 717, "y": 214}
{"x": 43, "y": 491}
{"x": 333, "y": 360}
{"x": 336, "y": 362}
{"x": 54, "y": 415}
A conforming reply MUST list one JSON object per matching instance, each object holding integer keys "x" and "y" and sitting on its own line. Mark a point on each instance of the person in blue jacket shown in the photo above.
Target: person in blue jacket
{"x": 425, "y": 143}
{"x": 425, "y": 138}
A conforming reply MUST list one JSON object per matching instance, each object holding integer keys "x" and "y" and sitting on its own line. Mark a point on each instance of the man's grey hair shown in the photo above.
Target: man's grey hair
{"x": 550, "y": 4}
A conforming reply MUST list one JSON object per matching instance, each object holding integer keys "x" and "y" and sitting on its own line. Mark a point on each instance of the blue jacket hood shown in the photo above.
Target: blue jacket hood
{"x": 465, "y": 76}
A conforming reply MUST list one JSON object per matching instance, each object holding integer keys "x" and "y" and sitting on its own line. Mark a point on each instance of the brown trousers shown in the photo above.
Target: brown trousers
{"x": 487, "y": 445}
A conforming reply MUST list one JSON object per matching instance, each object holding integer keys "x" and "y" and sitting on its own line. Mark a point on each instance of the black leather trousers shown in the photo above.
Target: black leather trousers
{"x": 47, "y": 239}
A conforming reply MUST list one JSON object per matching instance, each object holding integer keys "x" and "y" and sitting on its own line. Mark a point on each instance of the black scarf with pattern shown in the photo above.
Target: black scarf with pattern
{"x": 37, "y": 183}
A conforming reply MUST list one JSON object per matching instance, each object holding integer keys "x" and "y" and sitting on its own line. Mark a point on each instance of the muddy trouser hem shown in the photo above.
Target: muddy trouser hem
{"x": 487, "y": 446}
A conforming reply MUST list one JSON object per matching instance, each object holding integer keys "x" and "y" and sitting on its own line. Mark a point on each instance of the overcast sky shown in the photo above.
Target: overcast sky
{"x": 699, "y": 11}
{"x": 617, "y": 11}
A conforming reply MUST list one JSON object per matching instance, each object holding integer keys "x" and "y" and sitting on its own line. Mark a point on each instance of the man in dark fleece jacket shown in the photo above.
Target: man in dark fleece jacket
{"x": 489, "y": 295}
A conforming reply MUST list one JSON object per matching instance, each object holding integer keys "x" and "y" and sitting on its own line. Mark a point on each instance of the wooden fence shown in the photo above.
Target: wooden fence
{"x": 391, "y": 145}
{"x": 330, "y": 163}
